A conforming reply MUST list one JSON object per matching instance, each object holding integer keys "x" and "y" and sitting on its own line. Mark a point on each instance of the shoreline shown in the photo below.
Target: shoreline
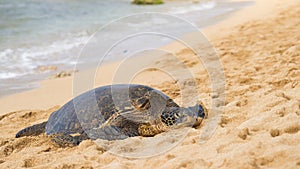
{"x": 259, "y": 127}
{"x": 41, "y": 73}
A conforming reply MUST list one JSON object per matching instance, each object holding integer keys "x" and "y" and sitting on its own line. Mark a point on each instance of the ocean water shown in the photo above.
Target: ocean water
{"x": 38, "y": 33}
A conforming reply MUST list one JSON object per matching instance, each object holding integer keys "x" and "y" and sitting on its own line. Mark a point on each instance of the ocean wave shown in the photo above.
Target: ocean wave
{"x": 25, "y": 60}
{"x": 8, "y": 75}
{"x": 195, "y": 7}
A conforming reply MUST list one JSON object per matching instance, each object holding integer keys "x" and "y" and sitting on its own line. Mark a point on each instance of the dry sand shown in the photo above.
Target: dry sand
{"x": 259, "y": 127}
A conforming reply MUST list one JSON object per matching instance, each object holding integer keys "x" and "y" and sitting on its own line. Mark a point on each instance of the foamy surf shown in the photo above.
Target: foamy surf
{"x": 24, "y": 60}
{"x": 196, "y": 7}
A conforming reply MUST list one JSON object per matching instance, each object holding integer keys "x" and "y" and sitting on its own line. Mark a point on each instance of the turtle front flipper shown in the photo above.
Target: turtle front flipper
{"x": 65, "y": 140}
{"x": 148, "y": 130}
{"x": 34, "y": 130}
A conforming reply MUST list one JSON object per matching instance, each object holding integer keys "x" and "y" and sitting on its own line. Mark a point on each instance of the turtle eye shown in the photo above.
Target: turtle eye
{"x": 176, "y": 115}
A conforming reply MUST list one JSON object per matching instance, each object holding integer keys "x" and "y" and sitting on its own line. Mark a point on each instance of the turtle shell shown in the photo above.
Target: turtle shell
{"x": 117, "y": 109}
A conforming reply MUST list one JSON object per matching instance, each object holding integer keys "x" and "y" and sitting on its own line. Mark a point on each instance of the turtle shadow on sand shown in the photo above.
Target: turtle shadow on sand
{"x": 115, "y": 112}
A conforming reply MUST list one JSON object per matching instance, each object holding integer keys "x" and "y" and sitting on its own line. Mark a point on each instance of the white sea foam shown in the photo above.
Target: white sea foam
{"x": 20, "y": 61}
{"x": 192, "y": 8}
{"x": 8, "y": 75}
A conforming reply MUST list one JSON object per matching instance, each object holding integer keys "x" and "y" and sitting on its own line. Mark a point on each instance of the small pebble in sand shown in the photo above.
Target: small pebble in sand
{"x": 28, "y": 163}
{"x": 274, "y": 132}
{"x": 244, "y": 133}
{"x": 62, "y": 74}
{"x": 215, "y": 95}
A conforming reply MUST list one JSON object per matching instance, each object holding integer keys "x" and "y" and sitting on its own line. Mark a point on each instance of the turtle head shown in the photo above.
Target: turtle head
{"x": 199, "y": 110}
{"x": 189, "y": 117}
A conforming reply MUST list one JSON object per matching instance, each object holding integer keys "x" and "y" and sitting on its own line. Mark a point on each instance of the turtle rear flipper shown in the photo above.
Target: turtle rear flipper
{"x": 34, "y": 130}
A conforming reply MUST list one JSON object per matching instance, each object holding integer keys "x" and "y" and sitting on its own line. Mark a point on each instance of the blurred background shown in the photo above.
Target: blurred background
{"x": 40, "y": 38}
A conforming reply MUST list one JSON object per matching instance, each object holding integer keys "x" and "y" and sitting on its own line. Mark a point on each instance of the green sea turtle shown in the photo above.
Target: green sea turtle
{"x": 115, "y": 112}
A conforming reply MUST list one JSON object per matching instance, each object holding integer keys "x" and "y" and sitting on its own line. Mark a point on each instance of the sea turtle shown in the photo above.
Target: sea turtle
{"x": 115, "y": 112}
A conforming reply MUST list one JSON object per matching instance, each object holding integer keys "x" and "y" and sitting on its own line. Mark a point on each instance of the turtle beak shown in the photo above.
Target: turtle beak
{"x": 189, "y": 118}
{"x": 195, "y": 115}
{"x": 198, "y": 122}
{"x": 199, "y": 110}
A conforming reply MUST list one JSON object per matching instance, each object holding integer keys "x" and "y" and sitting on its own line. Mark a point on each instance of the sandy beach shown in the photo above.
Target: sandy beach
{"x": 259, "y": 49}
